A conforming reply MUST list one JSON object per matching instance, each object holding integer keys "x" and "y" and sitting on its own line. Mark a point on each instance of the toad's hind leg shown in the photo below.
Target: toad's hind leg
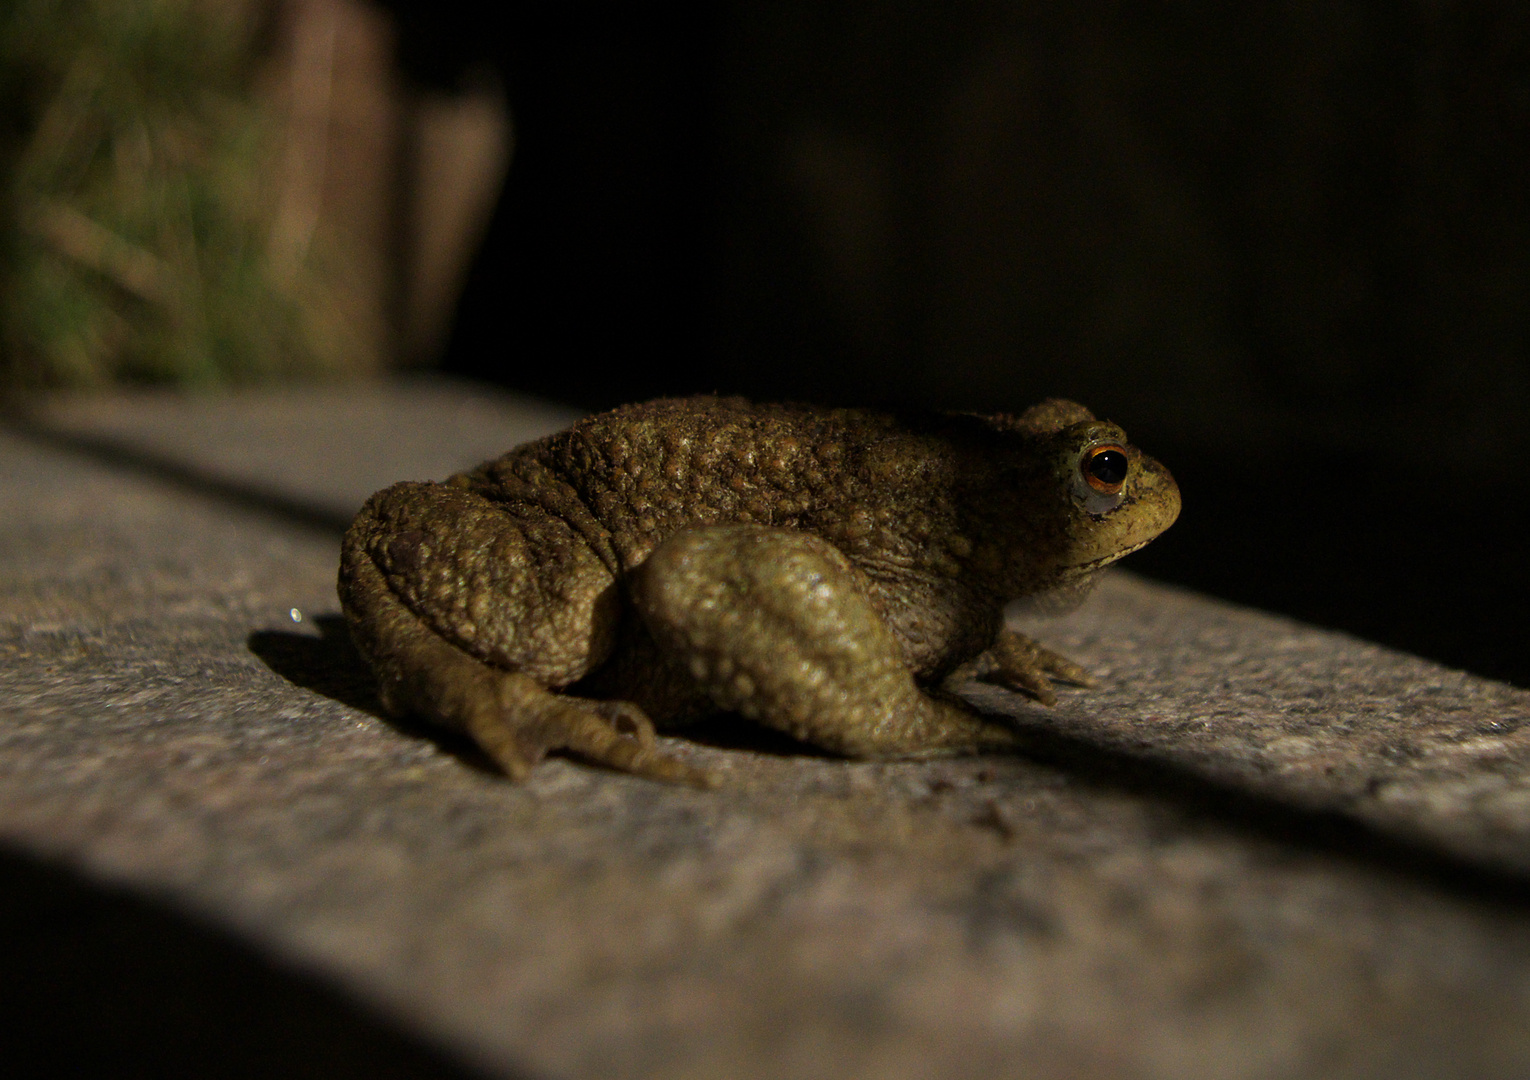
{"x": 518, "y": 722}
{"x": 777, "y": 624}
{"x": 529, "y": 608}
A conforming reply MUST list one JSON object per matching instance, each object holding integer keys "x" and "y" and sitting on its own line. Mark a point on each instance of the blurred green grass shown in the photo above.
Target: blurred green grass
{"x": 150, "y": 232}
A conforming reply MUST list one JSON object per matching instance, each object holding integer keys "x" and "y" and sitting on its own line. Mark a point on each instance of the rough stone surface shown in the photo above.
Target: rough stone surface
{"x": 1258, "y": 850}
{"x": 323, "y": 449}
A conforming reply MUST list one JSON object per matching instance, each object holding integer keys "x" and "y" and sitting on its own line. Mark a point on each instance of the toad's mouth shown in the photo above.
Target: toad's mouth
{"x": 1103, "y": 561}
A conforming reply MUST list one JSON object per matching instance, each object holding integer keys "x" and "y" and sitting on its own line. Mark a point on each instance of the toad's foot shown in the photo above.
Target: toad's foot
{"x": 518, "y": 722}
{"x": 522, "y": 722}
{"x": 1019, "y": 663}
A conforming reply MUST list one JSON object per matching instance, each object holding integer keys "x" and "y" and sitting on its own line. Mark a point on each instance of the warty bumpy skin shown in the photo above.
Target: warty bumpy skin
{"x": 827, "y": 573}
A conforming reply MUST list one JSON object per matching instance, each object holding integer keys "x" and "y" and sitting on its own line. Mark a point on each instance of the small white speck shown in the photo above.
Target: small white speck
{"x": 297, "y": 616}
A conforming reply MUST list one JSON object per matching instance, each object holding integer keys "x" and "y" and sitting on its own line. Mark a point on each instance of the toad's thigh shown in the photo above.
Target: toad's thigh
{"x": 777, "y": 625}
{"x": 513, "y": 586}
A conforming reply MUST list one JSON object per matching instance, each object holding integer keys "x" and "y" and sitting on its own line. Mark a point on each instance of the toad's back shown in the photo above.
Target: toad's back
{"x": 624, "y": 480}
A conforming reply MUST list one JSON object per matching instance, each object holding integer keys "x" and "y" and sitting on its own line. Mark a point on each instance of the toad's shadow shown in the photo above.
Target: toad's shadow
{"x": 328, "y": 664}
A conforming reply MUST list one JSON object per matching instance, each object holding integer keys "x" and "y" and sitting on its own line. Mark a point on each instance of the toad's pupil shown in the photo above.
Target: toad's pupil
{"x": 1108, "y": 467}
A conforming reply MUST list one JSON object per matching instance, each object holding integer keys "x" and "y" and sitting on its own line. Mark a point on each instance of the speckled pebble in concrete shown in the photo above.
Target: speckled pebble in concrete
{"x": 1259, "y": 850}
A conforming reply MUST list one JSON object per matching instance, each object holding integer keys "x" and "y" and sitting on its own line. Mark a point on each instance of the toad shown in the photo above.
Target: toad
{"x": 831, "y": 574}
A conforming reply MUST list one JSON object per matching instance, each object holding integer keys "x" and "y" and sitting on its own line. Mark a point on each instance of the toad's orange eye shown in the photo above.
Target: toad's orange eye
{"x": 1104, "y": 467}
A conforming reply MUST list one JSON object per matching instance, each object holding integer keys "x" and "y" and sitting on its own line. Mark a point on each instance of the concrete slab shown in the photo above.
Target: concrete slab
{"x": 321, "y": 448}
{"x": 1259, "y": 849}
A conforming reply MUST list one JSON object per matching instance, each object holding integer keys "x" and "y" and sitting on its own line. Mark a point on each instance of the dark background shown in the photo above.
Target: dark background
{"x": 1284, "y": 244}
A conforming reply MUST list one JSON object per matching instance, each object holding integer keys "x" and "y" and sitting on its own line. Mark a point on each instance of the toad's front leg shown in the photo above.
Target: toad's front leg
{"x": 473, "y": 614}
{"x": 1015, "y": 661}
{"x": 777, "y": 625}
